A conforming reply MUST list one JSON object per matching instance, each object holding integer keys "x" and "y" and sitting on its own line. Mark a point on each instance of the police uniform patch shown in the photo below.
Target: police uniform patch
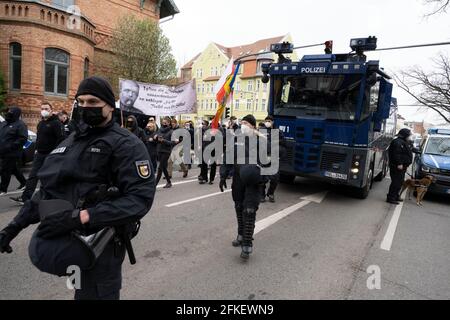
{"x": 143, "y": 169}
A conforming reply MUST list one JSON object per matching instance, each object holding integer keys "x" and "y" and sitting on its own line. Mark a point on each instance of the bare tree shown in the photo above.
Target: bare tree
{"x": 440, "y": 6}
{"x": 430, "y": 89}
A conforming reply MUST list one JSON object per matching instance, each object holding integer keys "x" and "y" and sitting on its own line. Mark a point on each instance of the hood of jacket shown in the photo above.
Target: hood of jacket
{"x": 16, "y": 112}
{"x": 135, "y": 124}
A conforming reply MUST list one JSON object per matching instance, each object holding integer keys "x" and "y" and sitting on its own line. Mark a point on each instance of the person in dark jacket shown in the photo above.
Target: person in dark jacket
{"x": 164, "y": 149}
{"x": 400, "y": 158}
{"x": 99, "y": 156}
{"x": 50, "y": 132}
{"x": 13, "y": 136}
{"x": 177, "y": 152}
{"x": 152, "y": 143}
{"x": 273, "y": 180}
{"x": 245, "y": 185}
{"x": 203, "y": 178}
{"x": 132, "y": 125}
{"x": 69, "y": 126}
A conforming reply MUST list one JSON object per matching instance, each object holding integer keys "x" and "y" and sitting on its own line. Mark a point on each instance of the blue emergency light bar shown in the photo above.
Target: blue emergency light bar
{"x": 439, "y": 131}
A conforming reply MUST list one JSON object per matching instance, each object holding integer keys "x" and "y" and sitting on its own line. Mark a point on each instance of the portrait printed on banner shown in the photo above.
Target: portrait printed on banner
{"x": 129, "y": 93}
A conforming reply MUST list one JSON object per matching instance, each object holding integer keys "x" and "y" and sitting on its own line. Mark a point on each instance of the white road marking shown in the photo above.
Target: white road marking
{"x": 267, "y": 222}
{"x": 177, "y": 183}
{"x": 15, "y": 192}
{"x": 197, "y": 198}
{"x": 389, "y": 236}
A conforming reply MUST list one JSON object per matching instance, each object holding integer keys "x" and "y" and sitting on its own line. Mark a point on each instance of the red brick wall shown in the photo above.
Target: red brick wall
{"x": 36, "y": 33}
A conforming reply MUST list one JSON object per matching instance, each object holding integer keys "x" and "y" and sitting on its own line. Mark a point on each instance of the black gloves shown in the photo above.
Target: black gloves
{"x": 223, "y": 184}
{"x": 59, "y": 224}
{"x": 7, "y": 235}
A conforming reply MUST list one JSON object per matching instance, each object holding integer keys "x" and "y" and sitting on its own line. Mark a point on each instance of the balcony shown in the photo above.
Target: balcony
{"x": 35, "y": 12}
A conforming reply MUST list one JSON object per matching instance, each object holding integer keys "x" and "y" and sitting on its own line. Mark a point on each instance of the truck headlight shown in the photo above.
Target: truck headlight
{"x": 354, "y": 171}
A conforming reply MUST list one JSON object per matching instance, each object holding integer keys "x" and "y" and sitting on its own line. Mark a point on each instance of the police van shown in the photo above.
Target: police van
{"x": 433, "y": 158}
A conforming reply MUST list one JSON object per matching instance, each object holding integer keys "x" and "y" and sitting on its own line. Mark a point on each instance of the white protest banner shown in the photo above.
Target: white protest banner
{"x": 157, "y": 100}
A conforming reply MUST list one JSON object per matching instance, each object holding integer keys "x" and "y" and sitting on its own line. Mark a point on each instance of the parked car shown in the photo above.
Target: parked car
{"x": 434, "y": 159}
{"x": 29, "y": 148}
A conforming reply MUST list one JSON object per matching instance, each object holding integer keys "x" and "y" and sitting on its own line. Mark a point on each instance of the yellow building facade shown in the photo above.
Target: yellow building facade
{"x": 251, "y": 96}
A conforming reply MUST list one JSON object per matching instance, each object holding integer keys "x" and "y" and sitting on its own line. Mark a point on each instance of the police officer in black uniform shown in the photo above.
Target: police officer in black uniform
{"x": 273, "y": 180}
{"x": 98, "y": 154}
{"x": 245, "y": 187}
{"x": 400, "y": 158}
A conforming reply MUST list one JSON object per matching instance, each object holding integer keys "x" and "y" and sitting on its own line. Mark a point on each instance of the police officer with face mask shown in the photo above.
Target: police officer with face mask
{"x": 245, "y": 185}
{"x": 73, "y": 203}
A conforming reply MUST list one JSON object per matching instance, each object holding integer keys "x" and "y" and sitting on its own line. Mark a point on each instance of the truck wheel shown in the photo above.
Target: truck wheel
{"x": 363, "y": 193}
{"x": 285, "y": 178}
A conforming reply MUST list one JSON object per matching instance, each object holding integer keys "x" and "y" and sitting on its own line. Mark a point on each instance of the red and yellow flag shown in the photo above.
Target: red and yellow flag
{"x": 224, "y": 90}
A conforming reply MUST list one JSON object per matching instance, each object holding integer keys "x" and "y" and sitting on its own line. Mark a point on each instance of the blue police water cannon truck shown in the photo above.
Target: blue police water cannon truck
{"x": 337, "y": 114}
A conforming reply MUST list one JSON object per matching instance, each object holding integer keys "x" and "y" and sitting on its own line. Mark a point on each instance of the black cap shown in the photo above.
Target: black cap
{"x": 99, "y": 88}
{"x": 250, "y": 119}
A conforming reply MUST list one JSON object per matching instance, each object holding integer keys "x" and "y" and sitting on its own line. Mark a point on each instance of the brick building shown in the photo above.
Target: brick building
{"x": 48, "y": 47}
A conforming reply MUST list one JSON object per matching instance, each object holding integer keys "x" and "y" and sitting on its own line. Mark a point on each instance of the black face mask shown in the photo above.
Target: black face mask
{"x": 9, "y": 117}
{"x": 92, "y": 116}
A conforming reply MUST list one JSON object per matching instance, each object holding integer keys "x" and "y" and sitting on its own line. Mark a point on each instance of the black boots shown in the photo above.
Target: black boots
{"x": 246, "y": 219}
{"x": 249, "y": 215}
{"x": 246, "y": 251}
{"x": 240, "y": 222}
{"x": 238, "y": 241}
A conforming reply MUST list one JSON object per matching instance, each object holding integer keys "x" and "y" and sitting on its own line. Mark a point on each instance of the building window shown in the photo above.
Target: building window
{"x": 264, "y": 87}
{"x": 15, "y": 53}
{"x": 216, "y": 71}
{"x": 250, "y": 85}
{"x": 238, "y": 86}
{"x": 263, "y": 105}
{"x": 249, "y": 104}
{"x": 86, "y": 68}
{"x": 64, "y": 3}
{"x": 256, "y": 104}
{"x": 212, "y": 72}
{"x": 56, "y": 71}
{"x": 258, "y": 85}
{"x": 236, "y": 104}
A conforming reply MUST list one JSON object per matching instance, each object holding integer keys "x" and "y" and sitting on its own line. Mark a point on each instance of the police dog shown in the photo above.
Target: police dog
{"x": 420, "y": 186}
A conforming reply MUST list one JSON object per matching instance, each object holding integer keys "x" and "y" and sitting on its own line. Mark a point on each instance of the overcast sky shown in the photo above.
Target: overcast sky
{"x": 236, "y": 22}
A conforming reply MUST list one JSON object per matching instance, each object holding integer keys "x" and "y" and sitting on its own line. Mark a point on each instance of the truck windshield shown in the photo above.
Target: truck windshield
{"x": 438, "y": 146}
{"x": 325, "y": 96}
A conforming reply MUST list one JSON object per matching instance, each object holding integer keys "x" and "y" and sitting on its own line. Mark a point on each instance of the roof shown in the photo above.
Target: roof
{"x": 238, "y": 51}
{"x": 190, "y": 63}
{"x": 256, "y": 47}
{"x": 168, "y": 8}
{"x": 213, "y": 78}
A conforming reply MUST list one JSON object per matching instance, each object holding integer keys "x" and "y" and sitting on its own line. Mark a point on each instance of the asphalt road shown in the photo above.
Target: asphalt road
{"x": 311, "y": 248}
